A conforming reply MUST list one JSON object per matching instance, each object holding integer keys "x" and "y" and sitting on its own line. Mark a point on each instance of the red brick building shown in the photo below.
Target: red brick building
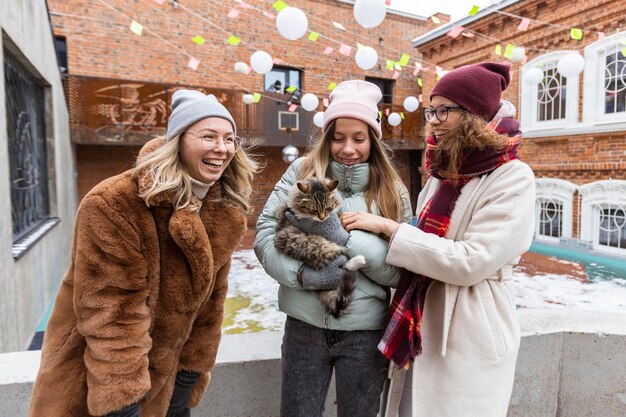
{"x": 119, "y": 84}
{"x": 574, "y": 127}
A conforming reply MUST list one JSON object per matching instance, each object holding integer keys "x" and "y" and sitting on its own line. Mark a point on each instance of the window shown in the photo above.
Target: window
{"x": 27, "y": 147}
{"x": 552, "y": 103}
{"x": 279, "y": 79}
{"x": 554, "y": 209}
{"x": 603, "y": 218}
{"x": 61, "y": 49}
{"x": 386, "y": 87}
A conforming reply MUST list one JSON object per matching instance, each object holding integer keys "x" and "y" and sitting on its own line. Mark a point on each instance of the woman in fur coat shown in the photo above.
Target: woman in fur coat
{"x": 453, "y": 333}
{"x": 136, "y": 323}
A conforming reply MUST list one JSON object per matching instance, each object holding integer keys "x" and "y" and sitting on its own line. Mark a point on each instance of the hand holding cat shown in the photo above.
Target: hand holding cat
{"x": 369, "y": 222}
{"x": 327, "y": 278}
{"x": 330, "y": 228}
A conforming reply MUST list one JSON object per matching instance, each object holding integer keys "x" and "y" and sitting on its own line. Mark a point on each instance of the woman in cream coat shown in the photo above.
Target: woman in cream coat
{"x": 453, "y": 332}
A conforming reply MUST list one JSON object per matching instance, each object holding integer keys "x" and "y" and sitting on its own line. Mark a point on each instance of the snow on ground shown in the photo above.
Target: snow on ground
{"x": 252, "y": 303}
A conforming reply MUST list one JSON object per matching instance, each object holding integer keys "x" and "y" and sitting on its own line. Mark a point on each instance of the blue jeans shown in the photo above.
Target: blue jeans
{"x": 309, "y": 355}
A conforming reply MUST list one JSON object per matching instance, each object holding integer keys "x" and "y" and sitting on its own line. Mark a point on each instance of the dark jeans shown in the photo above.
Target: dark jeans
{"x": 309, "y": 355}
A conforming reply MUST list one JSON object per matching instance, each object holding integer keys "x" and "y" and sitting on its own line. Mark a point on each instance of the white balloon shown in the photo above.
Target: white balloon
{"x": 261, "y": 62}
{"x": 241, "y": 67}
{"x": 366, "y": 57}
{"x": 411, "y": 103}
{"x": 571, "y": 65}
{"x": 292, "y": 23}
{"x": 290, "y": 153}
{"x": 370, "y": 13}
{"x": 309, "y": 102}
{"x": 533, "y": 76}
{"x": 394, "y": 119}
{"x": 518, "y": 54}
{"x": 318, "y": 119}
{"x": 248, "y": 98}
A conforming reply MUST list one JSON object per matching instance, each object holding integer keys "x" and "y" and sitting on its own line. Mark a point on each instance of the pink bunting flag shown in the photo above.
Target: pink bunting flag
{"x": 600, "y": 35}
{"x": 269, "y": 15}
{"x": 395, "y": 75}
{"x": 468, "y": 34}
{"x": 524, "y": 24}
{"x": 233, "y": 13}
{"x": 525, "y": 59}
{"x": 293, "y": 107}
{"x": 248, "y": 70}
{"x": 338, "y": 25}
{"x": 243, "y": 5}
{"x": 193, "y": 63}
{"x": 456, "y": 31}
{"x": 328, "y": 50}
{"x": 419, "y": 98}
{"x": 326, "y": 102}
{"x": 159, "y": 1}
{"x": 345, "y": 49}
{"x": 387, "y": 110}
{"x": 387, "y": 2}
{"x": 278, "y": 61}
{"x": 415, "y": 72}
{"x": 438, "y": 70}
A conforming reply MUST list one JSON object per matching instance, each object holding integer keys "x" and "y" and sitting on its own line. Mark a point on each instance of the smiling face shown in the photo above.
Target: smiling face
{"x": 350, "y": 144}
{"x": 451, "y": 125}
{"x": 206, "y": 163}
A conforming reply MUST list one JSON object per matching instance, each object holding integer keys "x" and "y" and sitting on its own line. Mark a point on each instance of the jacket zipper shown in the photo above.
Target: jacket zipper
{"x": 348, "y": 179}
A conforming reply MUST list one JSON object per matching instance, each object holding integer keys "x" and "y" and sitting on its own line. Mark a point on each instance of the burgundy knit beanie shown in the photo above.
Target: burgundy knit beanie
{"x": 477, "y": 88}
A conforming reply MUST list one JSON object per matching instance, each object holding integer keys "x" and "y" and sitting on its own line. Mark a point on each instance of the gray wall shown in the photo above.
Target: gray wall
{"x": 27, "y": 285}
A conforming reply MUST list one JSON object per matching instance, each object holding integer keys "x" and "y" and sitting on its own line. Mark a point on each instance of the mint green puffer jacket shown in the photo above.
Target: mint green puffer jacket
{"x": 368, "y": 309}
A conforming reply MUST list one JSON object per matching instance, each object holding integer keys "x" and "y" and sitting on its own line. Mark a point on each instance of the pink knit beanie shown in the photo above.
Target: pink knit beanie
{"x": 356, "y": 99}
{"x": 477, "y": 88}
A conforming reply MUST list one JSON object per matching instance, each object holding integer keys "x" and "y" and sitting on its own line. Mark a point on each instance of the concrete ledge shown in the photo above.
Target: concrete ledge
{"x": 570, "y": 364}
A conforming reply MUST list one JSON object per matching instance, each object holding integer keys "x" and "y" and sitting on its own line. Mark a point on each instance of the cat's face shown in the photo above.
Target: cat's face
{"x": 350, "y": 144}
{"x": 315, "y": 199}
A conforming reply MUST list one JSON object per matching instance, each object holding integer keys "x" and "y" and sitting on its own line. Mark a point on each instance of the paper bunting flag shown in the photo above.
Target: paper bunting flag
{"x": 339, "y": 26}
{"x": 600, "y": 35}
{"x": 387, "y": 2}
{"x": 278, "y": 61}
{"x": 387, "y": 110}
{"x": 419, "y": 98}
{"x": 328, "y": 50}
{"x": 326, "y": 102}
{"x": 524, "y": 24}
{"x": 435, "y": 19}
{"x": 467, "y": 34}
{"x": 404, "y": 59}
{"x": 159, "y": 1}
{"x": 455, "y": 31}
{"x": 576, "y": 34}
{"x": 402, "y": 115}
{"x": 345, "y": 49}
{"x": 293, "y": 107}
{"x": 313, "y": 36}
{"x": 397, "y": 66}
{"x": 244, "y": 5}
{"x": 332, "y": 86}
{"x": 256, "y": 97}
{"x": 198, "y": 40}
{"x": 269, "y": 15}
{"x": 395, "y": 75}
{"x": 380, "y": 114}
{"x": 136, "y": 28}
{"x": 508, "y": 51}
{"x": 291, "y": 89}
{"x": 359, "y": 46}
{"x": 415, "y": 72}
{"x": 474, "y": 10}
{"x": 279, "y": 5}
{"x": 233, "y": 40}
{"x": 390, "y": 64}
{"x": 233, "y": 13}
{"x": 193, "y": 63}
{"x": 420, "y": 82}
{"x": 498, "y": 50}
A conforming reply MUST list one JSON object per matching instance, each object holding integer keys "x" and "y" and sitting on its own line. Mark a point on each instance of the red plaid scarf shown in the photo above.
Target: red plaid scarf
{"x": 402, "y": 340}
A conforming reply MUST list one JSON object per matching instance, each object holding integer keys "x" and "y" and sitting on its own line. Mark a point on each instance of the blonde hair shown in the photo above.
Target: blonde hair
{"x": 384, "y": 180}
{"x": 472, "y": 135}
{"x": 163, "y": 168}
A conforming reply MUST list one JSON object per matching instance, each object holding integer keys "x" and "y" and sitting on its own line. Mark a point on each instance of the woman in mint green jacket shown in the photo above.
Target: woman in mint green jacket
{"x": 315, "y": 342}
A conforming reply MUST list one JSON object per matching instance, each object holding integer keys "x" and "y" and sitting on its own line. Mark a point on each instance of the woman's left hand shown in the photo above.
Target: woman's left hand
{"x": 351, "y": 220}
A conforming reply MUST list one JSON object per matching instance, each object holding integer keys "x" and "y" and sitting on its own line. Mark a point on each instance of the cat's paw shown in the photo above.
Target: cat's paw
{"x": 355, "y": 263}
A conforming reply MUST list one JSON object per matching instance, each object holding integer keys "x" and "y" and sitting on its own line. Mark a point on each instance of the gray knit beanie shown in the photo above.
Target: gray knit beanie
{"x": 191, "y": 106}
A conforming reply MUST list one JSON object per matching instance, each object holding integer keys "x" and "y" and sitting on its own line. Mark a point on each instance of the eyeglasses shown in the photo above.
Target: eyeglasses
{"x": 211, "y": 140}
{"x": 441, "y": 112}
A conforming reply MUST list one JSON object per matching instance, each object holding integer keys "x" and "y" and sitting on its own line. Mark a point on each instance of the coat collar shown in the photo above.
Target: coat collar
{"x": 352, "y": 179}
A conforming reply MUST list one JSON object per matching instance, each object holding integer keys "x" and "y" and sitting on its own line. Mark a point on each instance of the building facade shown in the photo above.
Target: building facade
{"x": 574, "y": 126}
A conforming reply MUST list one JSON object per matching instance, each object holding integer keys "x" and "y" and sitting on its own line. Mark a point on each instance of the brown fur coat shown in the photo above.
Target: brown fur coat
{"x": 142, "y": 299}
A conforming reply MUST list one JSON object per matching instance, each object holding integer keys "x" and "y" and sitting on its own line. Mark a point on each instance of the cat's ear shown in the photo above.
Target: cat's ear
{"x": 332, "y": 184}
{"x": 303, "y": 187}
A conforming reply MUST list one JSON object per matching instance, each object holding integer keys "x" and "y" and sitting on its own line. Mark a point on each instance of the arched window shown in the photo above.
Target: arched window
{"x": 603, "y": 215}
{"x": 554, "y": 209}
{"x": 553, "y": 102}
{"x": 604, "y": 101}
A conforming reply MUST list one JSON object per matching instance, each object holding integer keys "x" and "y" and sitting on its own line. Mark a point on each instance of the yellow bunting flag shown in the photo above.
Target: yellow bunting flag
{"x": 435, "y": 19}
{"x": 402, "y": 115}
{"x": 474, "y": 10}
{"x": 390, "y": 64}
{"x": 576, "y": 34}
{"x": 419, "y": 82}
{"x": 291, "y": 89}
{"x": 332, "y": 86}
{"x": 397, "y": 66}
{"x": 256, "y": 97}
{"x": 313, "y": 36}
{"x": 233, "y": 40}
{"x": 508, "y": 51}
{"x": 498, "y": 50}
{"x": 198, "y": 39}
{"x": 279, "y": 5}
{"x": 404, "y": 59}
{"x": 136, "y": 28}
{"x": 623, "y": 51}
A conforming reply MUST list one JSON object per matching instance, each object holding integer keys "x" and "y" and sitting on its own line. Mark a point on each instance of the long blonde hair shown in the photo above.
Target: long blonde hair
{"x": 473, "y": 134}
{"x": 162, "y": 167}
{"x": 384, "y": 180}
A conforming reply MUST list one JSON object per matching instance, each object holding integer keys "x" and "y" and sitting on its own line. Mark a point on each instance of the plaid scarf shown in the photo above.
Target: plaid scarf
{"x": 402, "y": 340}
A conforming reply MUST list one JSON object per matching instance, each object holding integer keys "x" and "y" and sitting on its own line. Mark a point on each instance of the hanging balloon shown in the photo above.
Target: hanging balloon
{"x": 518, "y": 54}
{"x": 290, "y": 153}
{"x": 318, "y": 119}
{"x": 309, "y": 102}
{"x": 261, "y": 62}
{"x": 241, "y": 67}
{"x": 533, "y": 76}
{"x": 394, "y": 119}
{"x": 571, "y": 65}
{"x": 370, "y": 13}
{"x": 292, "y": 23}
{"x": 248, "y": 98}
{"x": 366, "y": 57}
{"x": 411, "y": 103}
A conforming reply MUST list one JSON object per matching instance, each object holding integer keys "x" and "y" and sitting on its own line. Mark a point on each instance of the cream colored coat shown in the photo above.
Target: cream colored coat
{"x": 470, "y": 330}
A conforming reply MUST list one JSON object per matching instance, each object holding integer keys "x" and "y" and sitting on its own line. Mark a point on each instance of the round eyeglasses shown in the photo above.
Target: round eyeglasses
{"x": 441, "y": 112}
{"x": 211, "y": 140}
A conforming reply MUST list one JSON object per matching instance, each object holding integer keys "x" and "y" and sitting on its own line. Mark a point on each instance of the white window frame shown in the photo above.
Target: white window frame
{"x": 596, "y": 196}
{"x": 529, "y": 103}
{"x": 559, "y": 191}
{"x": 593, "y": 87}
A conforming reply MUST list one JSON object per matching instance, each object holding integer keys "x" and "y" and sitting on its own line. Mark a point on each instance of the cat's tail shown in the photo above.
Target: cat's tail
{"x": 338, "y": 300}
